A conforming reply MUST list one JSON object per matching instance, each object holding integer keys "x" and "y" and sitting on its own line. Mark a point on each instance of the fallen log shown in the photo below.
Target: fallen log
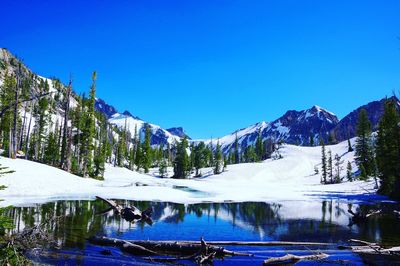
{"x": 168, "y": 247}
{"x": 260, "y": 243}
{"x": 136, "y": 249}
{"x": 389, "y": 256}
{"x": 290, "y": 258}
{"x": 374, "y": 253}
{"x": 237, "y": 243}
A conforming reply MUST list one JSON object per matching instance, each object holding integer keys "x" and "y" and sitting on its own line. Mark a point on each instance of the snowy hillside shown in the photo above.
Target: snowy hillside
{"x": 290, "y": 178}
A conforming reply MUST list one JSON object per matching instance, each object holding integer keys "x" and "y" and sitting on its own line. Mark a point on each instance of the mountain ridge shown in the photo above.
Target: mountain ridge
{"x": 293, "y": 127}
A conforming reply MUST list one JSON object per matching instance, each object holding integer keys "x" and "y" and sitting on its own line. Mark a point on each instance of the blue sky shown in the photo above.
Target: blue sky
{"x": 213, "y": 66}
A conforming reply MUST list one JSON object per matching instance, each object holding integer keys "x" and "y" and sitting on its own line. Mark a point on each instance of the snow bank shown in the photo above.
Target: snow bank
{"x": 290, "y": 178}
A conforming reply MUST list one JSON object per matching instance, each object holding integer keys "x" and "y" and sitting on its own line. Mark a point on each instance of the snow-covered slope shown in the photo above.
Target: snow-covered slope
{"x": 290, "y": 178}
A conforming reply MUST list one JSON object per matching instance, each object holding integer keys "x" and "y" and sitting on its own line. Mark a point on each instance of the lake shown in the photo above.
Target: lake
{"x": 314, "y": 221}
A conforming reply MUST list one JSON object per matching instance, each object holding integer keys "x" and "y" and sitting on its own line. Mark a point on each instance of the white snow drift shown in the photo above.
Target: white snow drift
{"x": 289, "y": 178}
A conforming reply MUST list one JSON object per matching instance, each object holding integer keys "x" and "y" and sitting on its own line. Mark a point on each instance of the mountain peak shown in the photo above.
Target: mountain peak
{"x": 318, "y": 109}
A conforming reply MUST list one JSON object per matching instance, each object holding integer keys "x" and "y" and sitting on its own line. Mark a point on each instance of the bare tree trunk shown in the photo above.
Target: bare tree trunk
{"x": 10, "y": 141}
{"x": 69, "y": 147}
{"x": 22, "y": 131}
{"x": 59, "y": 137}
{"x": 29, "y": 132}
{"x": 14, "y": 130}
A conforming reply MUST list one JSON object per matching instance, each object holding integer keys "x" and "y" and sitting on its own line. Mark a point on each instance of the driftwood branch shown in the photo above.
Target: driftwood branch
{"x": 290, "y": 258}
{"x": 373, "y": 252}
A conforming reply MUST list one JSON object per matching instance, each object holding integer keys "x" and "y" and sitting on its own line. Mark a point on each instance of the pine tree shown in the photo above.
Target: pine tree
{"x": 121, "y": 147}
{"x": 132, "y": 158}
{"x": 311, "y": 140}
{"x": 51, "y": 152}
{"x": 250, "y": 155}
{"x": 6, "y": 99}
{"x": 388, "y": 151}
{"x": 146, "y": 153}
{"x": 159, "y": 154}
{"x": 330, "y": 167}
{"x": 14, "y": 137}
{"x": 99, "y": 161}
{"x": 225, "y": 159}
{"x": 338, "y": 168}
{"x": 65, "y": 150}
{"x": 199, "y": 158}
{"x": 181, "y": 162}
{"x": 349, "y": 172}
{"x": 324, "y": 169}
{"x": 138, "y": 154}
{"x": 218, "y": 162}
{"x": 237, "y": 153}
{"x": 259, "y": 146}
{"x": 163, "y": 168}
{"x": 363, "y": 153}
{"x": 211, "y": 154}
{"x": 349, "y": 147}
{"x": 89, "y": 130}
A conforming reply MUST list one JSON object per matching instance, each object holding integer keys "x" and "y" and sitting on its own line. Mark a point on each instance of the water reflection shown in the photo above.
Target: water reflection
{"x": 325, "y": 221}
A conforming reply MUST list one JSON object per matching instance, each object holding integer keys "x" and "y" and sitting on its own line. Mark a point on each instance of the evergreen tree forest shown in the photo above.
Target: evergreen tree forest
{"x": 45, "y": 121}
{"x": 376, "y": 155}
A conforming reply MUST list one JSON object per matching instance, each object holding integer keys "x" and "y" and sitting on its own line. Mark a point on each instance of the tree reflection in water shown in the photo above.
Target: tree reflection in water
{"x": 261, "y": 221}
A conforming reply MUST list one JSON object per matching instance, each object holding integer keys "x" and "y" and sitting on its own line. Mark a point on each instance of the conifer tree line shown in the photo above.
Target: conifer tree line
{"x": 44, "y": 121}
{"x": 190, "y": 159}
{"x": 377, "y": 155}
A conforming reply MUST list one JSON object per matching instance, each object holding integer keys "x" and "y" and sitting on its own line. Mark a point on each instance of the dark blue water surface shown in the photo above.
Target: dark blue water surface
{"x": 320, "y": 221}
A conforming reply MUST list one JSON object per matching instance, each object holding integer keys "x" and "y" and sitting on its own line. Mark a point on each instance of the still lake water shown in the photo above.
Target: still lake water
{"x": 319, "y": 221}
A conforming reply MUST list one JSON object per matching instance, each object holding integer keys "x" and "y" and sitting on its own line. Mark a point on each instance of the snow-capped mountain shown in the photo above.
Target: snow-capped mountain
{"x": 347, "y": 126}
{"x": 297, "y": 127}
{"x": 294, "y": 127}
{"x": 158, "y": 134}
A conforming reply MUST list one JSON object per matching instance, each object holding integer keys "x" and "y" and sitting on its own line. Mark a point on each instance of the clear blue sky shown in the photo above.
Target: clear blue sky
{"x": 213, "y": 66}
